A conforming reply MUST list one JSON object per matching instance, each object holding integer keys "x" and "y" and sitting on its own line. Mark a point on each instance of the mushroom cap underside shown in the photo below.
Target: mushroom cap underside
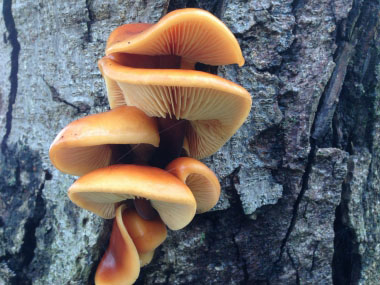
{"x": 85, "y": 144}
{"x": 193, "y": 34}
{"x": 215, "y": 107}
{"x": 101, "y": 190}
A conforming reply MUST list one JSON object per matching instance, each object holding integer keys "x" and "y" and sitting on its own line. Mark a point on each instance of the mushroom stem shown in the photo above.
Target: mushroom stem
{"x": 145, "y": 209}
{"x": 172, "y": 133}
{"x": 120, "y": 154}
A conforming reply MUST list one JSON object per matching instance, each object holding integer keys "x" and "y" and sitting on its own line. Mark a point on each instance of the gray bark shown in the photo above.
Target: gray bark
{"x": 301, "y": 191}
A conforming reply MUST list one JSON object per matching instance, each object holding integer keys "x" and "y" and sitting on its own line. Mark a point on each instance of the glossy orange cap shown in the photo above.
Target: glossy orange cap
{"x": 101, "y": 190}
{"x": 147, "y": 235}
{"x": 120, "y": 265}
{"x": 194, "y": 34}
{"x": 85, "y": 144}
{"x": 199, "y": 178}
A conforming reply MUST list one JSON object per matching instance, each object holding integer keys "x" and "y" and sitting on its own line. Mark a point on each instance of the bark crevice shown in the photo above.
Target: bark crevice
{"x": 90, "y": 21}
{"x": 83, "y": 108}
{"x": 13, "y": 77}
{"x": 305, "y": 183}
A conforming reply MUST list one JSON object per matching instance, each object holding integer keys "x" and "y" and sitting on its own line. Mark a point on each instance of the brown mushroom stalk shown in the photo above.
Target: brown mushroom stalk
{"x": 145, "y": 209}
{"x": 172, "y": 135}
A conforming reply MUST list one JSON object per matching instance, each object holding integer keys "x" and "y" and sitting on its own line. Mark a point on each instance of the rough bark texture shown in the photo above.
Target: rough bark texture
{"x": 301, "y": 180}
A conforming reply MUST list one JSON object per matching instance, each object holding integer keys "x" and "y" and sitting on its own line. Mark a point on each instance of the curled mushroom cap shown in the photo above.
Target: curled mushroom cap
{"x": 100, "y": 190}
{"x": 194, "y": 34}
{"x": 132, "y": 244}
{"x": 199, "y": 178}
{"x": 214, "y": 107}
{"x": 120, "y": 264}
{"x": 146, "y": 235}
{"x": 86, "y": 144}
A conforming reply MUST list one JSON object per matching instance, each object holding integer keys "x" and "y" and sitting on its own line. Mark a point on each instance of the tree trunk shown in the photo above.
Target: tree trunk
{"x": 301, "y": 181}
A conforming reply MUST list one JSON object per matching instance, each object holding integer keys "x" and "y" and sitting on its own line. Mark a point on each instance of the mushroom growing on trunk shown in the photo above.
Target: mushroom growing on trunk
{"x": 99, "y": 140}
{"x": 214, "y": 108}
{"x": 141, "y": 69}
{"x": 192, "y": 35}
{"x": 102, "y": 190}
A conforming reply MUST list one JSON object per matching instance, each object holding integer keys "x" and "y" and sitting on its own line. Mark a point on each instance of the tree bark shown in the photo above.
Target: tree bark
{"x": 301, "y": 194}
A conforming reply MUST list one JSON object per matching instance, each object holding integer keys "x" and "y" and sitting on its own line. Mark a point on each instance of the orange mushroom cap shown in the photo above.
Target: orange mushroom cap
{"x": 132, "y": 244}
{"x": 194, "y": 34}
{"x": 101, "y": 190}
{"x": 120, "y": 264}
{"x": 199, "y": 178}
{"x": 215, "y": 107}
{"x": 85, "y": 144}
{"x": 147, "y": 235}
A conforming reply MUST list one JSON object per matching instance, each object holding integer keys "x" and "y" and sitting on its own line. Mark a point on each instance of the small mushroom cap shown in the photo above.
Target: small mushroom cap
{"x": 120, "y": 264}
{"x": 85, "y": 144}
{"x": 194, "y": 34}
{"x": 199, "y": 178}
{"x": 147, "y": 235}
{"x": 100, "y": 190}
{"x": 215, "y": 107}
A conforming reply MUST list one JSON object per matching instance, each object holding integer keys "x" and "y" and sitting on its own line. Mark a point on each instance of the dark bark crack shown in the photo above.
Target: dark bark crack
{"x": 13, "y": 78}
{"x": 305, "y": 185}
{"x": 313, "y": 258}
{"x": 360, "y": 29}
{"x": 294, "y": 266}
{"x": 241, "y": 258}
{"x": 19, "y": 263}
{"x": 236, "y": 203}
{"x": 83, "y": 108}
{"x": 330, "y": 98}
{"x": 91, "y": 19}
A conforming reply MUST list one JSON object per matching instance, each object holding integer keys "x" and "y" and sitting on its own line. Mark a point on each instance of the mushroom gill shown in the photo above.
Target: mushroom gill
{"x": 141, "y": 69}
{"x": 195, "y": 35}
{"x": 213, "y": 107}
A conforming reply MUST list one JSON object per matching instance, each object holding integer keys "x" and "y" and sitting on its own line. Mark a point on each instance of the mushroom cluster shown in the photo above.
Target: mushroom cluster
{"x": 138, "y": 162}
